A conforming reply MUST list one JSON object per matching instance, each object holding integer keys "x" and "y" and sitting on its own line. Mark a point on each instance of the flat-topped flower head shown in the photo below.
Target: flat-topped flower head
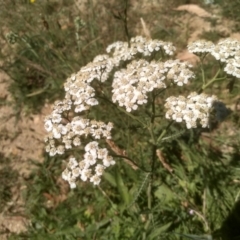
{"x": 90, "y": 168}
{"x": 194, "y": 109}
{"x": 122, "y": 51}
{"x": 226, "y": 51}
{"x": 201, "y": 46}
{"x": 131, "y": 85}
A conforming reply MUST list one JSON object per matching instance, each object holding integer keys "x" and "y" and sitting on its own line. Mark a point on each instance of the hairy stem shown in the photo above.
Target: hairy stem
{"x": 125, "y": 21}
{"x": 214, "y": 79}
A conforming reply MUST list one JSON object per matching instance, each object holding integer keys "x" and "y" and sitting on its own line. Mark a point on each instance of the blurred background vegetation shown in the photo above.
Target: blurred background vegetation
{"x": 42, "y": 43}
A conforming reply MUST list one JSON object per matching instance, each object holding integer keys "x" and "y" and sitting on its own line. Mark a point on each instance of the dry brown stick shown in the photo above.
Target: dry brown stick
{"x": 162, "y": 160}
{"x": 122, "y": 153}
{"x": 145, "y": 29}
{"x": 35, "y": 65}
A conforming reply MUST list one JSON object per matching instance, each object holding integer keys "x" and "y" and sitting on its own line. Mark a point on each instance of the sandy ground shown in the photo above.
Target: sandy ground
{"x": 21, "y": 140}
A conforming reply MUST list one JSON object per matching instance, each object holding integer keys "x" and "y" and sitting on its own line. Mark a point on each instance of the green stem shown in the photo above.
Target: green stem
{"x": 125, "y": 21}
{"x": 153, "y": 108}
{"x": 93, "y": 22}
{"x": 25, "y": 40}
{"x": 150, "y": 129}
{"x": 203, "y": 219}
{"x": 202, "y": 57}
{"x": 151, "y": 126}
{"x": 153, "y": 162}
{"x": 107, "y": 197}
{"x": 203, "y": 73}
{"x": 164, "y": 132}
{"x": 214, "y": 79}
{"x": 132, "y": 116}
{"x": 122, "y": 110}
{"x": 149, "y": 189}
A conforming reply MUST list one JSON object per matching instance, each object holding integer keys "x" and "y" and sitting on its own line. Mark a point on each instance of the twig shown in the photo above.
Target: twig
{"x": 145, "y": 29}
{"x": 162, "y": 160}
{"x": 122, "y": 153}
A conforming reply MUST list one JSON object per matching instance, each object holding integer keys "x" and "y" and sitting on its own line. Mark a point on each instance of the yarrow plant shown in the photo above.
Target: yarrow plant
{"x": 130, "y": 77}
{"x": 226, "y": 51}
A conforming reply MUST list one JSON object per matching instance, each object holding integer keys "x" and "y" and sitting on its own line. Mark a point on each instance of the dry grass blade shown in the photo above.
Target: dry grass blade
{"x": 193, "y": 8}
{"x": 145, "y": 29}
{"x": 35, "y": 65}
{"x": 162, "y": 160}
{"x": 121, "y": 152}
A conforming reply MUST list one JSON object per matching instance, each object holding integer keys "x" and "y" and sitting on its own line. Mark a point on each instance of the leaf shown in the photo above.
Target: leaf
{"x": 110, "y": 178}
{"x": 159, "y": 230}
{"x": 164, "y": 193}
{"x": 196, "y": 237}
{"x": 40, "y": 91}
{"x": 122, "y": 189}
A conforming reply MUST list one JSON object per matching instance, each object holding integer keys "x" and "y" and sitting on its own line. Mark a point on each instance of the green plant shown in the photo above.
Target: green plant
{"x": 129, "y": 88}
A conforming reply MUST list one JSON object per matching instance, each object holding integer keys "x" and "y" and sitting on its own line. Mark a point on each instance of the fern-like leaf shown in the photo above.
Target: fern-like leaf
{"x": 174, "y": 136}
{"x": 140, "y": 188}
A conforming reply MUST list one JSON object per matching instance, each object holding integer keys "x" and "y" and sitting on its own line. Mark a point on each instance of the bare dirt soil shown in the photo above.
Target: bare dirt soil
{"x": 21, "y": 140}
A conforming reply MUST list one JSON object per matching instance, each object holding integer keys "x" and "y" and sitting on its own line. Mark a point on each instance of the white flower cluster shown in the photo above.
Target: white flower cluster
{"x": 65, "y": 133}
{"x": 91, "y": 167}
{"x": 226, "y": 51}
{"x": 131, "y": 85}
{"x": 66, "y": 136}
{"x": 67, "y": 130}
{"x": 78, "y": 87}
{"x": 200, "y": 46}
{"x": 193, "y": 109}
{"x": 121, "y": 51}
{"x": 63, "y": 136}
